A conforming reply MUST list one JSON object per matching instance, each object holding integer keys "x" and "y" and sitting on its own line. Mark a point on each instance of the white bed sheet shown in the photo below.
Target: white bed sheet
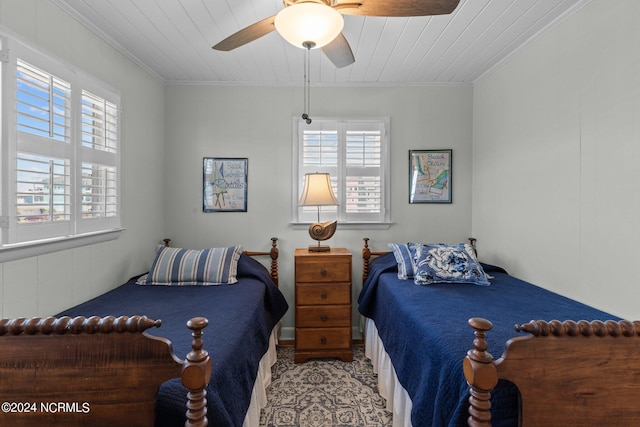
{"x": 397, "y": 398}
{"x": 263, "y": 381}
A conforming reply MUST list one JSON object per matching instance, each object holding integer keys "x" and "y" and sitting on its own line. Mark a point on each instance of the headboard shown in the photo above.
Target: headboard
{"x": 367, "y": 255}
{"x": 94, "y": 371}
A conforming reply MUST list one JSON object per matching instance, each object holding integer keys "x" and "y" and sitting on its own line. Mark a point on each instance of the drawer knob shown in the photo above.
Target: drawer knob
{"x": 323, "y": 272}
{"x": 323, "y": 295}
{"x": 323, "y": 340}
{"x": 324, "y": 318}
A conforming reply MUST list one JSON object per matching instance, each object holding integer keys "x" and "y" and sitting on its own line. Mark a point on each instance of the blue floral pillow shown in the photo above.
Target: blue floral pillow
{"x": 448, "y": 264}
{"x": 405, "y": 257}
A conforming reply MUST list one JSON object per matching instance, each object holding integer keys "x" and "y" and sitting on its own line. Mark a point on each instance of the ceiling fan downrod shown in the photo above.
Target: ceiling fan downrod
{"x": 308, "y": 45}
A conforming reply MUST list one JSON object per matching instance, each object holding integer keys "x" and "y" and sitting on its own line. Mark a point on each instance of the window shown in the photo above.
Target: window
{"x": 60, "y": 150}
{"x": 355, "y": 154}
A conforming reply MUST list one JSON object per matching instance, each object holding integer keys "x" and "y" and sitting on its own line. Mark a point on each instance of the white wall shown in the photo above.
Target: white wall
{"x": 45, "y": 285}
{"x": 555, "y": 188}
{"x": 556, "y": 148}
{"x": 163, "y": 173}
{"x": 256, "y": 122}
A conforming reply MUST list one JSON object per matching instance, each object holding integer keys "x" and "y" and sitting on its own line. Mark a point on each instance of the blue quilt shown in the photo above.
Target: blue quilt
{"x": 241, "y": 318}
{"x": 425, "y": 332}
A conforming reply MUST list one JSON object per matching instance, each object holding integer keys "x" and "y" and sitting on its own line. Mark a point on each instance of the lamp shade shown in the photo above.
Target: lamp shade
{"x": 309, "y": 22}
{"x": 317, "y": 191}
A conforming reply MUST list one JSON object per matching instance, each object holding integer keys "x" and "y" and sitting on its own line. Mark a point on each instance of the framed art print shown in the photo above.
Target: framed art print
{"x": 224, "y": 185}
{"x": 430, "y": 176}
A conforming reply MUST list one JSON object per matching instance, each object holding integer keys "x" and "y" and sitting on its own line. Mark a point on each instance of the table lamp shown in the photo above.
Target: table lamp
{"x": 318, "y": 192}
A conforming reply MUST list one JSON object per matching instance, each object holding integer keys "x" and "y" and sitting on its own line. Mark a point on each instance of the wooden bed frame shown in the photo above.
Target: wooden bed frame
{"x": 567, "y": 373}
{"x": 95, "y": 371}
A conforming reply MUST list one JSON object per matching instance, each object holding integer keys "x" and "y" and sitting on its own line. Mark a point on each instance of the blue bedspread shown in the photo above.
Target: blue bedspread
{"x": 241, "y": 318}
{"x": 425, "y": 332}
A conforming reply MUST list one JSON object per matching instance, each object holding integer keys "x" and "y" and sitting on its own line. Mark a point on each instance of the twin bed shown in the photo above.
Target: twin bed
{"x": 433, "y": 373}
{"x": 103, "y": 370}
{"x": 97, "y": 369}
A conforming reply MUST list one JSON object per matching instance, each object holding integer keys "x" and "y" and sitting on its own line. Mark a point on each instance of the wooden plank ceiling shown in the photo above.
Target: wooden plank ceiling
{"x": 172, "y": 40}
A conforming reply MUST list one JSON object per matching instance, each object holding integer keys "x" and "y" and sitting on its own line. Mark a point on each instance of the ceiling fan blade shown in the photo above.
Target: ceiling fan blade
{"x": 339, "y": 52}
{"x": 248, "y": 34}
{"x": 396, "y": 7}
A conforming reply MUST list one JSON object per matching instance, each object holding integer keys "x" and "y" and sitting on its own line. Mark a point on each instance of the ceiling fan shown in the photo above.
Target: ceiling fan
{"x": 318, "y": 23}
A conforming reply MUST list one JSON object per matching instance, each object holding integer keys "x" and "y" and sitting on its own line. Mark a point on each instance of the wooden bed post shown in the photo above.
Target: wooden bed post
{"x": 366, "y": 256}
{"x": 273, "y": 253}
{"x": 481, "y": 374}
{"x": 195, "y": 376}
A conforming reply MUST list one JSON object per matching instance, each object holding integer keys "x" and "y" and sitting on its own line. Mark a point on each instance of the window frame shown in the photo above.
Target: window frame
{"x": 17, "y": 240}
{"x": 341, "y": 125}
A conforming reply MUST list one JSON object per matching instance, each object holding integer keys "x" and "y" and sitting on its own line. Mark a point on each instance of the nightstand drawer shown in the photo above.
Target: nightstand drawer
{"x": 312, "y": 294}
{"x": 323, "y": 338}
{"x": 323, "y": 269}
{"x": 323, "y": 316}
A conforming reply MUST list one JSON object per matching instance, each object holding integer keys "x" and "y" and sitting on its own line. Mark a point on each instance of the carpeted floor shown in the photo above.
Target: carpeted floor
{"x": 324, "y": 393}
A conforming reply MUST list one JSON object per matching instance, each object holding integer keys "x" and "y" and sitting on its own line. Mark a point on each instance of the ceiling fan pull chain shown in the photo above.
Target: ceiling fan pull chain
{"x": 307, "y": 81}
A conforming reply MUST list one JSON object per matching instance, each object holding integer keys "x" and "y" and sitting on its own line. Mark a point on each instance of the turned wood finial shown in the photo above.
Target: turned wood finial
{"x": 274, "y": 260}
{"x": 366, "y": 257}
{"x": 196, "y": 373}
{"x": 273, "y": 253}
{"x": 472, "y": 242}
{"x": 481, "y": 375}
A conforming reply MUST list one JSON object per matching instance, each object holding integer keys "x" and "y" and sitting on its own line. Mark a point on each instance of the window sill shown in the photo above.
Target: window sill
{"x": 348, "y": 225}
{"x": 41, "y": 247}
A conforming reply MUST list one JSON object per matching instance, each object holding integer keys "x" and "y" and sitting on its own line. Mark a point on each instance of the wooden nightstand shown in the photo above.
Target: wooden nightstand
{"x": 323, "y": 304}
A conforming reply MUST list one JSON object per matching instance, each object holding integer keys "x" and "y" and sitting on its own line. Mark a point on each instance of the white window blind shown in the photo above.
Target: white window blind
{"x": 363, "y": 173}
{"x": 99, "y": 123}
{"x": 60, "y": 133}
{"x": 99, "y": 191}
{"x": 355, "y": 154}
{"x": 43, "y": 103}
{"x": 43, "y": 189}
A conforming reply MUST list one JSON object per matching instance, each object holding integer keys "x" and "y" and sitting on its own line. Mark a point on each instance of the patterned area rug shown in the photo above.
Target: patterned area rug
{"x": 324, "y": 393}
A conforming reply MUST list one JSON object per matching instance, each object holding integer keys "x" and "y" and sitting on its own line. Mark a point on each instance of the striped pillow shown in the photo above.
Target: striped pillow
{"x": 182, "y": 267}
{"x": 405, "y": 257}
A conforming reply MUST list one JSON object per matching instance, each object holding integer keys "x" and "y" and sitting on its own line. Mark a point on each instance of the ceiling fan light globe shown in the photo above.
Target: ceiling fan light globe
{"x": 309, "y": 22}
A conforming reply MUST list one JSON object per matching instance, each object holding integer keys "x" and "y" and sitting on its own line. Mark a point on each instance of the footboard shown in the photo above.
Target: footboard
{"x": 568, "y": 373}
{"x": 94, "y": 371}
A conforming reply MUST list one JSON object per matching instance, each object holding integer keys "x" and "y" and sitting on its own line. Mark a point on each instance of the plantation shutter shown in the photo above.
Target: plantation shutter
{"x": 354, "y": 154}
{"x": 60, "y": 139}
{"x": 320, "y": 153}
{"x": 363, "y": 172}
{"x": 43, "y": 154}
{"x": 99, "y": 205}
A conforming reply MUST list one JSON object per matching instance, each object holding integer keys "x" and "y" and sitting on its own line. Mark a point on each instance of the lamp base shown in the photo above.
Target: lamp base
{"x": 318, "y": 248}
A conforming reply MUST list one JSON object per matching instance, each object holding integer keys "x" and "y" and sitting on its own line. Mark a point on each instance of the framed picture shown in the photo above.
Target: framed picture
{"x": 224, "y": 187}
{"x": 430, "y": 176}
